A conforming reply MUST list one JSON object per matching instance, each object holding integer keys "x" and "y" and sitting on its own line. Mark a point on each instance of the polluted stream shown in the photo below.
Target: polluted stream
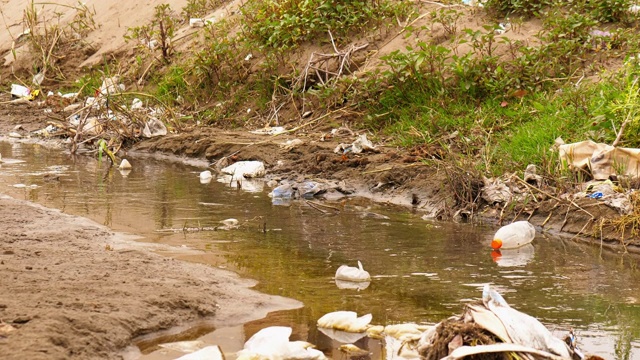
{"x": 422, "y": 272}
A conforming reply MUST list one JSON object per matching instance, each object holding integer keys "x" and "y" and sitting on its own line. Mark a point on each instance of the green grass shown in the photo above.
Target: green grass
{"x": 506, "y": 108}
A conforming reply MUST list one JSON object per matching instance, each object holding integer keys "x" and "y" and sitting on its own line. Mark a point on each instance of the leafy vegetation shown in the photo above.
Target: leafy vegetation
{"x": 157, "y": 34}
{"x": 498, "y": 100}
{"x": 285, "y": 24}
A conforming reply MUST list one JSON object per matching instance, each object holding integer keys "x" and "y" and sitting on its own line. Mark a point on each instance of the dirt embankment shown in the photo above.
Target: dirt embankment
{"x": 73, "y": 289}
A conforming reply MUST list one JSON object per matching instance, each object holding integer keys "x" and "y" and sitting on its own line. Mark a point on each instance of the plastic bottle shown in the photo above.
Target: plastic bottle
{"x": 514, "y": 235}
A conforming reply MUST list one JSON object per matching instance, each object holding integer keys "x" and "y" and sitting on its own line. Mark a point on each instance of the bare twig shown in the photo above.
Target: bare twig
{"x": 315, "y": 206}
{"x": 554, "y": 197}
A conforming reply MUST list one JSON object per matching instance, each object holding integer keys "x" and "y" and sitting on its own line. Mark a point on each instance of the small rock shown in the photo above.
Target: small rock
{"x": 22, "y": 320}
{"x": 5, "y": 329}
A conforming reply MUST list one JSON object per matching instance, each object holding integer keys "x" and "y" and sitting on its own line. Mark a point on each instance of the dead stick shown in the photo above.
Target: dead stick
{"x": 393, "y": 167}
{"x": 314, "y": 206}
{"x": 580, "y": 232}
{"x": 324, "y": 205}
{"x": 547, "y": 219}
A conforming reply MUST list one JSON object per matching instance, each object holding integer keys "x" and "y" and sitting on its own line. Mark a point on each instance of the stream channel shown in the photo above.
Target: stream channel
{"x": 421, "y": 271}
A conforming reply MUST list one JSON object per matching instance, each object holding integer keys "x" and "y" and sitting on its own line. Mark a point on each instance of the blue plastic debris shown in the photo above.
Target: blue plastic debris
{"x": 596, "y": 195}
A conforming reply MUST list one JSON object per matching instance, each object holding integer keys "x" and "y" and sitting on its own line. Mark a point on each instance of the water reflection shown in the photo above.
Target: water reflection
{"x": 421, "y": 272}
{"x": 513, "y": 257}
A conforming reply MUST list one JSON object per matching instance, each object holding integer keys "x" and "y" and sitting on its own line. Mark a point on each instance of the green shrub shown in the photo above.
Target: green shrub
{"x": 517, "y": 7}
{"x": 284, "y": 24}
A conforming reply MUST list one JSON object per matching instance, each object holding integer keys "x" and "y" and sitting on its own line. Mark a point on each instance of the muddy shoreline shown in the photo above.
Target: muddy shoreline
{"x": 74, "y": 289}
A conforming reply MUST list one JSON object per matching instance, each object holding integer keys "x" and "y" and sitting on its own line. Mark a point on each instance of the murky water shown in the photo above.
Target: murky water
{"x": 422, "y": 271}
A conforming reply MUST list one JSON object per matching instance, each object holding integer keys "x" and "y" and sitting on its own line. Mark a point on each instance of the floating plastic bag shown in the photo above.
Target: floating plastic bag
{"x": 284, "y": 191}
{"x": 207, "y": 353}
{"x": 205, "y": 177}
{"x": 273, "y": 343}
{"x": 345, "y": 321}
{"x": 350, "y": 273}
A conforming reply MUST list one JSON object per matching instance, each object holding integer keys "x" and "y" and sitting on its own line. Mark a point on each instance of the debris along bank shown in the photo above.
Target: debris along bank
{"x": 487, "y": 329}
{"x": 340, "y": 162}
{"x": 311, "y": 93}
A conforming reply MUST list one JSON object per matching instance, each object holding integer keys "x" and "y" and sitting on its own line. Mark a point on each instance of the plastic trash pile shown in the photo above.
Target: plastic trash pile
{"x": 487, "y": 329}
{"x": 510, "y": 187}
{"x": 106, "y": 115}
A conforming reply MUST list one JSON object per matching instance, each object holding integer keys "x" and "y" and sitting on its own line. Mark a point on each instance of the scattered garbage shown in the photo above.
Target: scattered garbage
{"x": 228, "y": 224}
{"x": 124, "y": 164}
{"x": 354, "y": 274}
{"x": 37, "y": 79}
{"x": 111, "y": 85}
{"x": 489, "y": 327}
{"x": 291, "y": 144}
{"x": 485, "y": 328}
{"x": 136, "y": 104}
{"x": 205, "y": 177}
{"x": 184, "y": 346}
{"x": 610, "y": 194}
{"x": 345, "y": 321}
{"x": 195, "y": 22}
{"x": 14, "y": 135}
{"x": 269, "y": 130}
{"x": 495, "y": 191}
{"x": 361, "y": 144}
{"x": 284, "y": 191}
{"x": 103, "y": 121}
{"x": 309, "y": 189}
{"x": 399, "y": 335}
{"x": 248, "y": 185}
{"x": 353, "y": 351}
{"x": 207, "y": 353}
{"x": 595, "y": 195}
{"x": 20, "y": 91}
{"x": 521, "y": 328}
{"x": 514, "y": 235}
{"x": 273, "y": 343}
{"x": 245, "y": 169}
{"x": 343, "y": 336}
{"x": 478, "y": 3}
{"x": 601, "y": 160}
{"x": 154, "y": 127}
{"x": 531, "y": 176}
{"x": 305, "y": 189}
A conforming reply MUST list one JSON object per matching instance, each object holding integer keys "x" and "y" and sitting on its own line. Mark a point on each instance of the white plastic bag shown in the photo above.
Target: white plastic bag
{"x": 523, "y": 329}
